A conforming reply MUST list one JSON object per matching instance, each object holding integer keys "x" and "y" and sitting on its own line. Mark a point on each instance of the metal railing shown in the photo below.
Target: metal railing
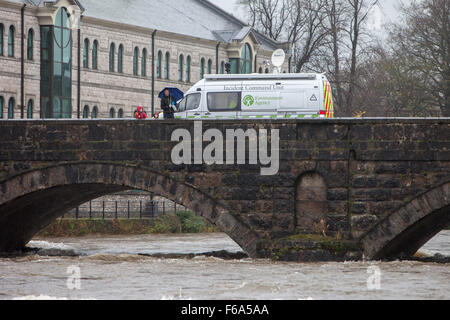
{"x": 123, "y": 209}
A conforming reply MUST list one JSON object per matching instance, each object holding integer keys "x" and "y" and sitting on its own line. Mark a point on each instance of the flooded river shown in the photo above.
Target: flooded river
{"x": 117, "y": 267}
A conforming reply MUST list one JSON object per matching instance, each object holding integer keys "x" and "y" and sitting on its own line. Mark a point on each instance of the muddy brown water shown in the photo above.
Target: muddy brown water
{"x": 121, "y": 267}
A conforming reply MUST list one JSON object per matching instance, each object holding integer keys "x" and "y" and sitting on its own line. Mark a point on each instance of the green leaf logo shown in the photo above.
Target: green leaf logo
{"x": 249, "y": 101}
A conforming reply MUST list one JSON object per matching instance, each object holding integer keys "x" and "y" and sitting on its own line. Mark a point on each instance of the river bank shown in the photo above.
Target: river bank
{"x": 182, "y": 222}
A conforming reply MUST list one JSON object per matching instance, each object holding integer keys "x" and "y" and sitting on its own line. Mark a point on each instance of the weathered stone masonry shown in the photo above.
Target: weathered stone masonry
{"x": 340, "y": 182}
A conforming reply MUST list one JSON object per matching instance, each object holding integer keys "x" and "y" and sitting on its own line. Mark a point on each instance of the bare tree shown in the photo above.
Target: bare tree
{"x": 359, "y": 12}
{"x": 425, "y": 40}
{"x": 337, "y": 23}
{"x": 299, "y": 22}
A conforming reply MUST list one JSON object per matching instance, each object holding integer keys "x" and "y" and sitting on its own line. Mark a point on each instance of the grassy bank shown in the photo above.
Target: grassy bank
{"x": 182, "y": 222}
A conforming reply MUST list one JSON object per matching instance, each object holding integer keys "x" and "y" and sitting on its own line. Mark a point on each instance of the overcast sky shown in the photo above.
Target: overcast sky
{"x": 387, "y": 9}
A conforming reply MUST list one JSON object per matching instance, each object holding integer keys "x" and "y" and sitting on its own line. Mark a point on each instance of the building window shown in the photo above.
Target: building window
{"x": 202, "y": 68}
{"x": 30, "y": 109}
{"x": 234, "y": 66}
{"x": 260, "y": 70}
{"x": 2, "y": 102}
{"x": 144, "y": 63}
{"x": 135, "y": 61}
{"x": 86, "y": 54}
{"x": 267, "y": 70}
{"x": 120, "y": 114}
{"x": 30, "y": 42}
{"x": 112, "y": 53}
{"x": 120, "y": 59}
{"x": 188, "y": 69}
{"x": 11, "y": 104}
{"x": 11, "y": 36}
{"x": 222, "y": 67}
{"x": 2, "y": 28}
{"x": 95, "y": 55}
{"x": 86, "y": 112}
{"x": 180, "y": 67}
{"x": 209, "y": 66}
{"x": 56, "y": 68}
{"x": 167, "y": 66}
{"x": 246, "y": 59}
{"x": 158, "y": 65}
{"x": 112, "y": 113}
{"x": 94, "y": 114}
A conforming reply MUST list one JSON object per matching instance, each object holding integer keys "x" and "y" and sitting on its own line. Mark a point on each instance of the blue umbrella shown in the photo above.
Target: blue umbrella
{"x": 175, "y": 93}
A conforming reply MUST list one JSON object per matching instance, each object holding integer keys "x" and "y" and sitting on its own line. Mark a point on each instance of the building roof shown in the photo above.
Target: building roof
{"x": 196, "y": 18}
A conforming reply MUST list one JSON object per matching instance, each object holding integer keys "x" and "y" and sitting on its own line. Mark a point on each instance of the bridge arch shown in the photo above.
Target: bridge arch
{"x": 406, "y": 230}
{"x": 31, "y": 201}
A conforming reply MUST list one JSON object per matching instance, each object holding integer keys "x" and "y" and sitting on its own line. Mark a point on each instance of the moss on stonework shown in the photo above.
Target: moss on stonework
{"x": 313, "y": 247}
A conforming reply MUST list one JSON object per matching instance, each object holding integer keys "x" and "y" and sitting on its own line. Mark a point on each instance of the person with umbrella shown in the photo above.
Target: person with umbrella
{"x": 169, "y": 98}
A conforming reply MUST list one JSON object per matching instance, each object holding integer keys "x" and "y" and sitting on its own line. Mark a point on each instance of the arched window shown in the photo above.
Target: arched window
{"x": 135, "y": 61}
{"x": 30, "y": 44}
{"x": 209, "y": 66}
{"x": 11, "y": 36}
{"x": 260, "y": 70}
{"x": 112, "y": 53}
{"x": 30, "y": 109}
{"x": 86, "y": 112}
{"x": 120, "y": 114}
{"x": 202, "y": 68}
{"x": 159, "y": 65}
{"x": 120, "y": 59}
{"x": 144, "y": 63}
{"x": 62, "y": 66}
{"x": 222, "y": 67}
{"x": 188, "y": 69}
{"x": 246, "y": 59}
{"x": 94, "y": 114}
{"x": 2, "y": 30}
{"x": 2, "y": 102}
{"x": 167, "y": 66}
{"x": 267, "y": 70}
{"x": 112, "y": 113}
{"x": 95, "y": 55}
{"x": 11, "y": 105}
{"x": 180, "y": 67}
{"x": 86, "y": 53}
{"x": 311, "y": 203}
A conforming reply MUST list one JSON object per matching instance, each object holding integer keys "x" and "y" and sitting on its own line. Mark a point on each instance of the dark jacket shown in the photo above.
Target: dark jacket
{"x": 166, "y": 105}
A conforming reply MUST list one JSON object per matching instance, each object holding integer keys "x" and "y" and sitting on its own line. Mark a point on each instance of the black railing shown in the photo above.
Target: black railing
{"x": 123, "y": 209}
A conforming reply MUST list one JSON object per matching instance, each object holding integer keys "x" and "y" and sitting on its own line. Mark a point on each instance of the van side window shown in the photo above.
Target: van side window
{"x": 182, "y": 105}
{"x": 193, "y": 101}
{"x": 224, "y": 101}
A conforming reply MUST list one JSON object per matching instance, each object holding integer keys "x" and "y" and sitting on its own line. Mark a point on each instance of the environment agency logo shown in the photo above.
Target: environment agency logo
{"x": 249, "y": 101}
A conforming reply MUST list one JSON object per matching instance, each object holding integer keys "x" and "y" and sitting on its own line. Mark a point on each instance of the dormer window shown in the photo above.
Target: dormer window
{"x": 246, "y": 59}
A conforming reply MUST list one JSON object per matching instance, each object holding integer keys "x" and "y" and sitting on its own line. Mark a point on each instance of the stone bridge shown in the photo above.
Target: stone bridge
{"x": 345, "y": 189}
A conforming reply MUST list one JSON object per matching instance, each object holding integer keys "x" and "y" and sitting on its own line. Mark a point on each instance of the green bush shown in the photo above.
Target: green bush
{"x": 190, "y": 223}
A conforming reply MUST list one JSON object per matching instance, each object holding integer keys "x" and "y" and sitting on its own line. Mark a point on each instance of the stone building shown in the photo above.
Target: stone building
{"x": 102, "y": 59}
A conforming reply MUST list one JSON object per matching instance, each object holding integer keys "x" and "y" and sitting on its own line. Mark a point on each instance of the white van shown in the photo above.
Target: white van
{"x": 258, "y": 96}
